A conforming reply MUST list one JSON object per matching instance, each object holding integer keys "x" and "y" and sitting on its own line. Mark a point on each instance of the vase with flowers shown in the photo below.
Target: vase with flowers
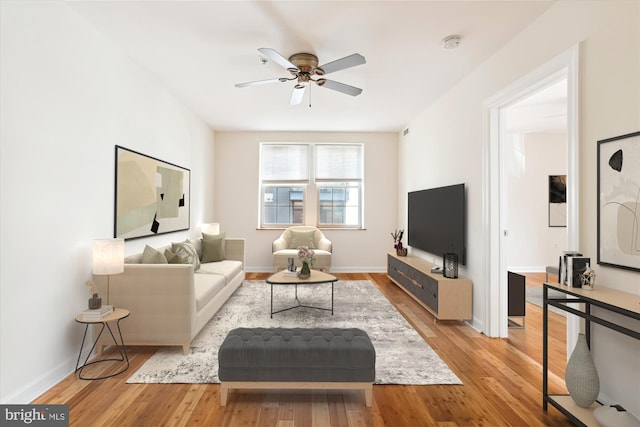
{"x": 306, "y": 256}
{"x": 397, "y": 242}
{"x": 95, "y": 301}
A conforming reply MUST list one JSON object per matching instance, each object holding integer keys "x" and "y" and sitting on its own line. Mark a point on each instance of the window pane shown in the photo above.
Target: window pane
{"x": 282, "y": 205}
{"x": 339, "y": 204}
{"x": 338, "y": 161}
{"x": 284, "y": 162}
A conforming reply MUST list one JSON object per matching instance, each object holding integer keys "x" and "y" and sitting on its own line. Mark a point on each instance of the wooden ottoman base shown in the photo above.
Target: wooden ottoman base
{"x": 229, "y": 385}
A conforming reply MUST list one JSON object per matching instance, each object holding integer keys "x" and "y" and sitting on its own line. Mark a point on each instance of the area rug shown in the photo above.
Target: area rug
{"x": 533, "y": 294}
{"x": 402, "y": 355}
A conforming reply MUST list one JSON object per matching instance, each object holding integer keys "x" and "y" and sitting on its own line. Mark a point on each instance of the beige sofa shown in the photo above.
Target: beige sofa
{"x": 170, "y": 303}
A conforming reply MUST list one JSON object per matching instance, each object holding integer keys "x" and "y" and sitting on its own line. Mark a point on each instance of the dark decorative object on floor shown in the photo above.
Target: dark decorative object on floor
{"x": 95, "y": 302}
{"x": 581, "y": 376}
{"x": 450, "y": 265}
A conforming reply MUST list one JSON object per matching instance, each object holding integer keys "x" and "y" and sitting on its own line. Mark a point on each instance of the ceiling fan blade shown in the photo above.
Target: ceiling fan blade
{"x": 259, "y": 82}
{"x": 276, "y": 57}
{"x": 341, "y": 64}
{"x": 340, "y": 87}
{"x": 297, "y": 94}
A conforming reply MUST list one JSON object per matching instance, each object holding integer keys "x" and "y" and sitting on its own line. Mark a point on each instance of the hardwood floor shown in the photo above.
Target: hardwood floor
{"x": 502, "y": 386}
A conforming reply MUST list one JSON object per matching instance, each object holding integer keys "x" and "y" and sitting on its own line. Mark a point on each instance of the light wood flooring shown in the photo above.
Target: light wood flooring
{"x": 502, "y": 385}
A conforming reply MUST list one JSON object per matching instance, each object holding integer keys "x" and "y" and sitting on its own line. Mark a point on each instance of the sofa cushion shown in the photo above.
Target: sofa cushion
{"x": 302, "y": 238}
{"x": 213, "y": 247}
{"x": 206, "y": 287}
{"x": 183, "y": 253}
{"x": 152, "y": 256}
{"x": 227, "y": 268}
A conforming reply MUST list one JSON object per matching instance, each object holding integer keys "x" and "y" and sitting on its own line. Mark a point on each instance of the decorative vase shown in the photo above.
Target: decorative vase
{"x": 581, "y": 376}
{"x": 305, "y": 271}
{"x": 400, "y": 251}
{"x": 95, "y": 302}
{"x": 588, "y": 278}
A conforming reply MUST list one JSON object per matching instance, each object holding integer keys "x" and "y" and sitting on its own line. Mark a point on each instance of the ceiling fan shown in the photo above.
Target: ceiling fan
{"x": 304, "y": 67}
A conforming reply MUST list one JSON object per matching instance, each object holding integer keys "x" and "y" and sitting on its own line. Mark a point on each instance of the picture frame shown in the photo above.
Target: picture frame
{"x": 152, "y": 196}
{"x": 557, "y": 200}
{"x": 618, "y": 197}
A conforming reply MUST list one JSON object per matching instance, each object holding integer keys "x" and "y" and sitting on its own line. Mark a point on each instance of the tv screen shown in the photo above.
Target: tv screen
{"x": 436, "y": 221}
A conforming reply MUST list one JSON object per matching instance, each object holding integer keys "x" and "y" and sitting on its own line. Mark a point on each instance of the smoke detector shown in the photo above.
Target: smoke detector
{"x": 451, "y": 42}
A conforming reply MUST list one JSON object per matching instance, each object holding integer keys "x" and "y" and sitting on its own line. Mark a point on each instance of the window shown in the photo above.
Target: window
{"x": 318, "y": 184}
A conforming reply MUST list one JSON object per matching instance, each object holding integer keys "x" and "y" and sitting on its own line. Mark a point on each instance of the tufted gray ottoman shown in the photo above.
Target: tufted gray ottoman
{"x": 297, "y": 358}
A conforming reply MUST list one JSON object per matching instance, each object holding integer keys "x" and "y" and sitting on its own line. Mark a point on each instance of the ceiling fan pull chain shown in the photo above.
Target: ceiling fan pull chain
{"x": 310, "y": 94}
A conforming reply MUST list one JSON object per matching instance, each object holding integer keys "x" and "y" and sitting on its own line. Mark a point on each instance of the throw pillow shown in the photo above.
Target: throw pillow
{"x": 302, "y": 238}
{"x": 213, "y": 247}
{"x": 153, "y": 256}
{"x": 186, "y": 253}
{"x": 172, "y": 257}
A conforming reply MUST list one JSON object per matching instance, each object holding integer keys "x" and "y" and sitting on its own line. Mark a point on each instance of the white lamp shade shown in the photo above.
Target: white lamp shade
{"x": 108, "y": 256}
{"x": 211, "y": 228}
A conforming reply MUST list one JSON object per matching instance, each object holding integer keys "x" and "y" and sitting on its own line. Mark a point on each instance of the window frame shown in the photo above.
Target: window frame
{"x": 311, "y": 203}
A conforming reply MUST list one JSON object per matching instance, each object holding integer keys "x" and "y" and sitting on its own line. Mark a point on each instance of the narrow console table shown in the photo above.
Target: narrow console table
{"x": 623, "y": 303}
{"x": 446, "y": 299}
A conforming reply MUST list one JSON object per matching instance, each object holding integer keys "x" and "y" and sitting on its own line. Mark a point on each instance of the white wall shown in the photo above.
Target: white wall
{"x": 68, "y": 96}
{"x": 236, "y": 197}
{"x": 447, "y": 141}
{"x": 533, "y": 245}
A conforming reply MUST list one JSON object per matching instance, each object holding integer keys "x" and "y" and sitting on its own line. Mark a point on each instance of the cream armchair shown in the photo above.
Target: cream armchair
{"x": 286, "y": 246}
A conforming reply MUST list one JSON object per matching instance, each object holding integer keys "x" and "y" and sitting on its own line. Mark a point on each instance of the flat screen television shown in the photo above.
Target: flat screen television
{"x": 437, "y": 221}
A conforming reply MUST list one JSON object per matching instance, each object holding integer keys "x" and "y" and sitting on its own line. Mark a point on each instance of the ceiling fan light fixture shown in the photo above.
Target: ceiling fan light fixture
{"x": 304, "y": 66}
{"x": 451, "y": 42}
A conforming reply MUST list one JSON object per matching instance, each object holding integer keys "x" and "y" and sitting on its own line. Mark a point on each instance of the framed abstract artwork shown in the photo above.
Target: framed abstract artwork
{"x": 151, "y": 196}
{"x": 557, "y": 200}
{"x": 619, "y": 201}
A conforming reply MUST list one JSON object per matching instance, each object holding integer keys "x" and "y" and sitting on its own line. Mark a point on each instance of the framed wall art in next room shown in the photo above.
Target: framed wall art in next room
{"x": 619, "y": 201}
{"x": 557, "y": 200}
{"x": 151, "y": 196}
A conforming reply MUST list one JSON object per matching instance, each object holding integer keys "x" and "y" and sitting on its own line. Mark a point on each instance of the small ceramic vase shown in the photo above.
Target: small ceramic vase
{"x": 305, "y": 271}
{"x": 95, "y": 302}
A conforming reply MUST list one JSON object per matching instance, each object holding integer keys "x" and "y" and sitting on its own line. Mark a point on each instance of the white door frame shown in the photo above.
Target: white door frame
{"x": 494, "y": 194}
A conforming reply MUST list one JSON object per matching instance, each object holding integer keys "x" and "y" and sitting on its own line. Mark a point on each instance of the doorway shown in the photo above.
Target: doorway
{"x": 496, "y": 210}
{"x": 534, "y": 162}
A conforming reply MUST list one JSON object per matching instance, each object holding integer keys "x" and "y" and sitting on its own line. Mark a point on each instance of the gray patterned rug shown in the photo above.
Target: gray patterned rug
{"x": 402, "y": 355}
{"x": 534, "y": 296}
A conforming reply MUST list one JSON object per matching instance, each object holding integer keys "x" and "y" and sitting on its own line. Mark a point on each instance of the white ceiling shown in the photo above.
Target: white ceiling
{"x": 542, "y": 111}
{"x": 200, "y": 49}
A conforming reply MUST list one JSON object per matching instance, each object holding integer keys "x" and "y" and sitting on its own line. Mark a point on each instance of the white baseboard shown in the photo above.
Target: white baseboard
{"x": 526, "y": 269}
{"x": 29, "y": 392}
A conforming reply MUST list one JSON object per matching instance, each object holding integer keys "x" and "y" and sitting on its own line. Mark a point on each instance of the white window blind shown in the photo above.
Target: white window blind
{"x": 338, "y": 161}
{"x": 288, "y": 162}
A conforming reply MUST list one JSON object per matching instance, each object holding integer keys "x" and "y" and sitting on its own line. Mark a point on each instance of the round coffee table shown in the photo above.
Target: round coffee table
{"x": 285, "y": 278}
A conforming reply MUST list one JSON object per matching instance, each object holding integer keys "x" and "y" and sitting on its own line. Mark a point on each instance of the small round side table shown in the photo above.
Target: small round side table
{"x": 117, "y": 315}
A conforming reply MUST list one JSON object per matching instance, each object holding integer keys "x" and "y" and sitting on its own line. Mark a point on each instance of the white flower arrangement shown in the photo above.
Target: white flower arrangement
{"x": 306, "y": 254}
{"x": 92, "y": 286}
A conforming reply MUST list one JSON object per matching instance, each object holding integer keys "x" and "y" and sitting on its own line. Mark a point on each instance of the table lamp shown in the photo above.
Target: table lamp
{"x": 108, "y": 258}
{"x": 212, "y": 228}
